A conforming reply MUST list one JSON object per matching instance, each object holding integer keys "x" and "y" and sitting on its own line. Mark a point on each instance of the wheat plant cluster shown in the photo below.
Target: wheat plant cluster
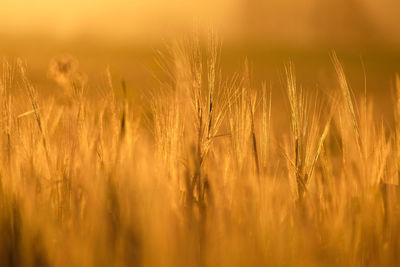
{"x": 194, "y": 172}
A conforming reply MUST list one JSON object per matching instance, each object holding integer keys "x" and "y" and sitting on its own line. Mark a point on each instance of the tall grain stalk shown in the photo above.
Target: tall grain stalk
{"x": 5, "y": 85}
{"x": 308, "y": 135}
{"x": 191, "y": 124}
{"x": 397, "y": 124}
{"x": 30, "y": 89}
{"x": 251, "y": 108}
{"x": 347, "y": 97}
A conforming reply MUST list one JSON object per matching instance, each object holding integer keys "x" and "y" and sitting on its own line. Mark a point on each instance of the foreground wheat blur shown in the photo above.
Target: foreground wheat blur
{"x": 195, "y": 175}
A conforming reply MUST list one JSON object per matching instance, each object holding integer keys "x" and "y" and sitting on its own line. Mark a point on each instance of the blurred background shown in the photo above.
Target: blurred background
{"x": 124, "y": 35}
{"x": 306, "y": 22}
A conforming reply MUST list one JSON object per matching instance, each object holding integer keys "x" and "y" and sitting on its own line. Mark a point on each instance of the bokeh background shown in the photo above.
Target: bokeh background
{"x": 278, "y": 21}
{"x": 124, "y": 35}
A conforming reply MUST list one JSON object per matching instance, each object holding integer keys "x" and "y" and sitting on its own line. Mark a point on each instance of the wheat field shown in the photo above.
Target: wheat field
{"x": 196, "y": 172}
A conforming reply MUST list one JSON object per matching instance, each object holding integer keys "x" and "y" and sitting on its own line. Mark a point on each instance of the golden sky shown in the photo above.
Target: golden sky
{"x": 288, "y": 19}
{"x": 105, "y": 17}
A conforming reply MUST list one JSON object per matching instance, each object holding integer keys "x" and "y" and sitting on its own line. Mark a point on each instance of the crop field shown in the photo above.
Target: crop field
{"x": 199, "y": 171}
{"x": 265, "y": 143}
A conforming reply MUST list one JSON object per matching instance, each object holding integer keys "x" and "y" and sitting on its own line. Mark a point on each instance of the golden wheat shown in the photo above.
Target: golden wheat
{"x": 197, "y": 175}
